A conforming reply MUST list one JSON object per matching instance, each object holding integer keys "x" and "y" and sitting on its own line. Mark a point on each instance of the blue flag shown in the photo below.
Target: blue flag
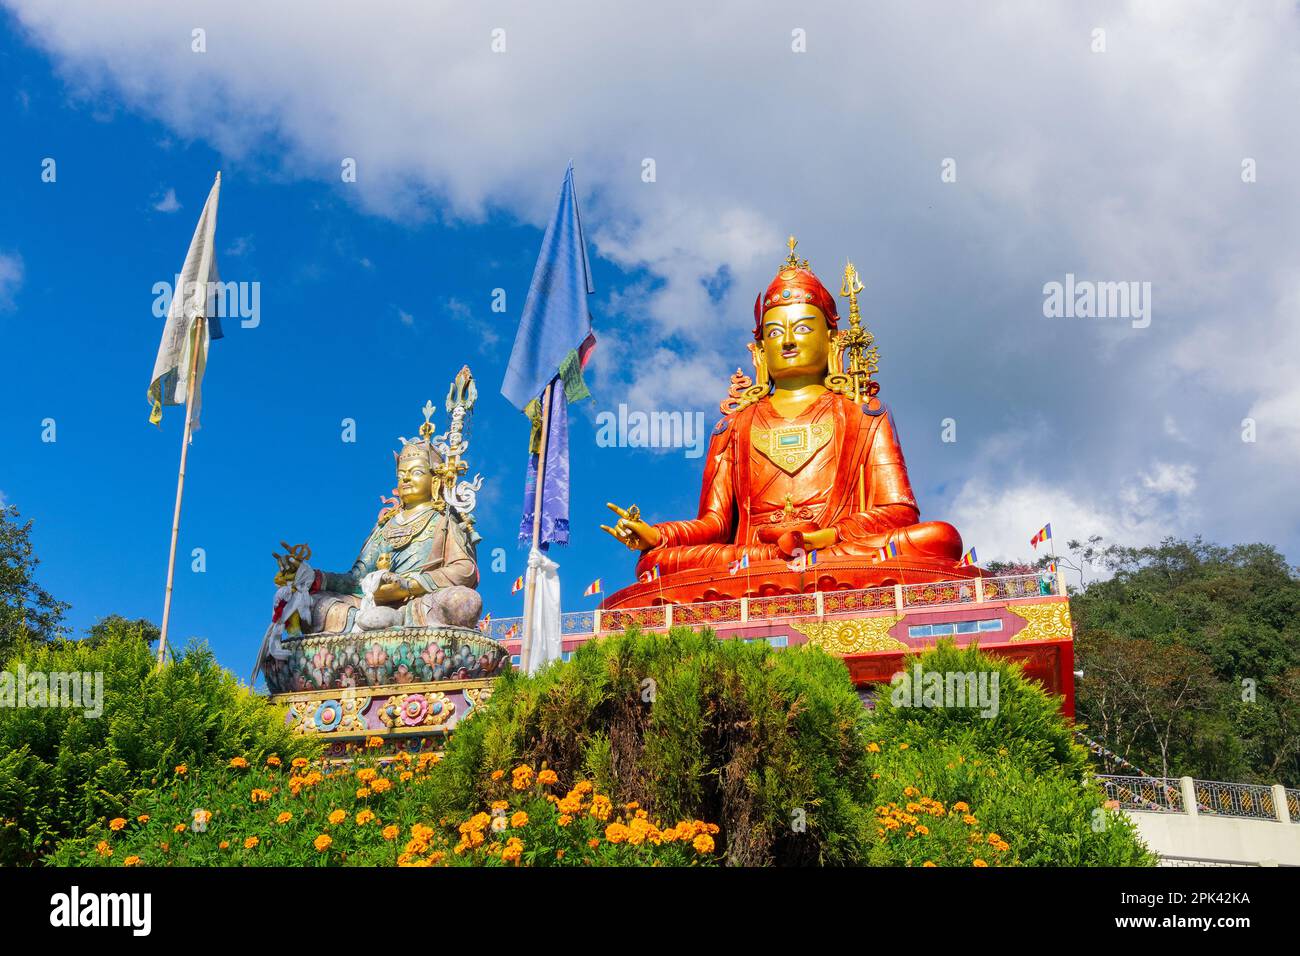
{"x": 552, "y": 346}
{"x": 554, "y": 336}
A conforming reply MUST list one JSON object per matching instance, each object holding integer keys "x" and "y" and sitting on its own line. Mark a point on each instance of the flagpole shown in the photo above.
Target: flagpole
{"x": 197, "y": 334}
{"x": 537, "y": 529}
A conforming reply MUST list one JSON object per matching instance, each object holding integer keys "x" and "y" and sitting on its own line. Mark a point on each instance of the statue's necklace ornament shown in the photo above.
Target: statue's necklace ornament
{"x": 791, "y": 446}
{"x": 401, "y": 530}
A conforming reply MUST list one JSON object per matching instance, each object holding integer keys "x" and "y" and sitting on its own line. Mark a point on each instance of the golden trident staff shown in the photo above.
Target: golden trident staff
{"x": 863, "y": 359}
{"x": 857, "y": 341}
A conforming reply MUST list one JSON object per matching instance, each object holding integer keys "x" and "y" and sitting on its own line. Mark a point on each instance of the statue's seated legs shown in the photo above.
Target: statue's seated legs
{"x": 927, "y": 539}
{"x": 457, "y": 606}
{"x": 935, "y": 540}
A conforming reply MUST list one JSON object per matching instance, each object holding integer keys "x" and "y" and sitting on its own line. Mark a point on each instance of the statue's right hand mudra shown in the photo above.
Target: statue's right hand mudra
{"x": 631, "y": 530}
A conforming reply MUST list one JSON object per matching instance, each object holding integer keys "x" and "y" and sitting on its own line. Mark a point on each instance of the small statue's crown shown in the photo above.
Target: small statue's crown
{"x": 421, "y": 449}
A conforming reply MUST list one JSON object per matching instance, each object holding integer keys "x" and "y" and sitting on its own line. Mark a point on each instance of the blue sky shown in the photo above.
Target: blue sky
{"x": 1123, "y": 164}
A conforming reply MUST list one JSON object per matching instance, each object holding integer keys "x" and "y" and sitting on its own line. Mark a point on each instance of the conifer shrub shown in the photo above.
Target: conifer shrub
{"x": 62, "y": 771}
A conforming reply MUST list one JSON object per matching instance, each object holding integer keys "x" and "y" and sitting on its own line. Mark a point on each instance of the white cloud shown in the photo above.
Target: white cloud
{"x": 406, "y": 318}
{"x": 11, "y": 279}
{"x": 168, "y": 202}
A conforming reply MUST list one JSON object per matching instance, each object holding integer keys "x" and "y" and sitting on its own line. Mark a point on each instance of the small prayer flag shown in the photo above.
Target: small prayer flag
{"x": 738, "y": 565}
{"x": 969, "y": 559}
{"x": 1044, "y": 534}
{"x": 518, "y": 585}
{"x": 592, "y": 588}
{"x": 485, "y": 625}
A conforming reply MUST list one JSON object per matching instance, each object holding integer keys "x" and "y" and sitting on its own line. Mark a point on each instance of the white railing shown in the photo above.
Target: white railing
{"x": 780, "y": 606}
{"x": 1259, "y": 801}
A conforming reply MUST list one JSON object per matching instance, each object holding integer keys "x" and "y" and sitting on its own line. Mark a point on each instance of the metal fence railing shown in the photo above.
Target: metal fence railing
{"x": 778, "y": 606}
{"x": 1255, "y": 801}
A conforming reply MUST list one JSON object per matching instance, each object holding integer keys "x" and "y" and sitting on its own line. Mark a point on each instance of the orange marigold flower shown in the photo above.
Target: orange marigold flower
{"x": 251, "y": 842}
{"x": 548, "y": 778}
{"x": 593, "y": 842}
{"x": 260, "y": 796}
{"x": 142, "y": 818}
{"x": 390, "y": 832}
{"x": 182, "y": 769}
{"x": 337, "y": 816}
{"x": 405, "y": 776}
{"x": 103, "y": 849}
{"x": 117, "y": 823}
{"x": 363, "y": 793}
{"x": 223, "y": 845}
{"x": 616, "y": 833}
{"x": 299, "y": 763}
{"x": 559, "y": 854}
{"x": 928, "y": 863}
{"x": 366, "y": 774}
{"x": 969, "y": 820}
{"x": 513, "y": 850}
{"x": 922, "y": 829}
{"x": 520, "y": 819}
{"x": 564, "y": 819}
{"x": 202, "y": 816}
{"x": 873, "y": 748}
{"x": 238, "y": 763}
{"x": 382, "y": 785}
{"x": 979, "y": 862}
{"x": 131, "y": 861}
{"x": 365, "y": 816}
{"x": 284, "y": 817}
{"x": 910, "y": 791}
{"x": 960, "y": 807}
{"x": 601, "y": 807}
{"x": 374, "y": 743}
{"x": 500, "y": 804}
{"x": 583, "y": 786}
{"x": 498, "y": 774}
{"x": 273, "y": 761}
{"x": 322, "y": 842}
{"x": 179, "y": 828}
{"x": 703, "y": 843}
{"x": 902, "y": 746}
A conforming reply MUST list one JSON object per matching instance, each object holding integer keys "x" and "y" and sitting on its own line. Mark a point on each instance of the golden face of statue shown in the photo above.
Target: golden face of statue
{"x": 796, "y": 341}
{"x": 414, "y": 482}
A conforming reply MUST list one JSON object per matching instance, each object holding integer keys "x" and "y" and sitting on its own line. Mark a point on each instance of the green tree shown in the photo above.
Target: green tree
{"x": 1190, "y": 653}
{"x": 27, "y": 611}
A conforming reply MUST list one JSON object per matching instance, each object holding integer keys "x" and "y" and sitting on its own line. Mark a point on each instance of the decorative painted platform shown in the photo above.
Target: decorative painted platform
{"x": 1025, "y": 618}
{"x": 408, "y": 686}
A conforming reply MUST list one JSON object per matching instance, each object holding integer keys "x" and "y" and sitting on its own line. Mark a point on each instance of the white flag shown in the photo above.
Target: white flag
{"x": 544, "y": 631}
{"x": 195, "y": 291}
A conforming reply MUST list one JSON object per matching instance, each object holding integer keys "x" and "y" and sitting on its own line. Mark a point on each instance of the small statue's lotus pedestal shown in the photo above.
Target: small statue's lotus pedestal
{"x": 410, "y": 687}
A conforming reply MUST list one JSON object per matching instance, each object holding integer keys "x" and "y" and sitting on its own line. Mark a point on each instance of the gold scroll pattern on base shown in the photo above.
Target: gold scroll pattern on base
{"x": 1043, "y": 622}
{"x": 853, "y": 636}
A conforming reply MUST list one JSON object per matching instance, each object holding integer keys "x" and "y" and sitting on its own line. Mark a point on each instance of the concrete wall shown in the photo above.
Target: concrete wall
{"x": 1219, "y": 839}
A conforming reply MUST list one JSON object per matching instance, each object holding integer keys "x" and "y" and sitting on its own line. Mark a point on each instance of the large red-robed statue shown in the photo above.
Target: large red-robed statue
{"x": 805, "y": 486}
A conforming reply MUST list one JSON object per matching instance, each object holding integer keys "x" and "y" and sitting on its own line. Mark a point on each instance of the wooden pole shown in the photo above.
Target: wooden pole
{"x": 537, "y": 530}
{"x": 197, "y": 338}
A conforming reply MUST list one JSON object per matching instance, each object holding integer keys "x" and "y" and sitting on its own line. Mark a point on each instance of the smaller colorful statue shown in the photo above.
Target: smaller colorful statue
{"x": 417, "y": 567}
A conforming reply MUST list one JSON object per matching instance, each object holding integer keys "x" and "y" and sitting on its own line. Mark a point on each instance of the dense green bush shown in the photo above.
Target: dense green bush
{"x": 690, "y": 727}
{"x": 62, "y": 772}
{"x": 1015, "y": 777}
{"x": 774, "y": 747}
